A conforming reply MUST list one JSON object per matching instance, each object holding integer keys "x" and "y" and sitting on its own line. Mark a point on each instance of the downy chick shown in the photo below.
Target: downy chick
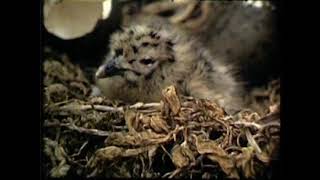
{"x": 146, "y": 58}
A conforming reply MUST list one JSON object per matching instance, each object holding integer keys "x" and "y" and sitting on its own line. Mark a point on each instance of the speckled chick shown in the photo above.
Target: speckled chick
{"x": 145, "y": 58}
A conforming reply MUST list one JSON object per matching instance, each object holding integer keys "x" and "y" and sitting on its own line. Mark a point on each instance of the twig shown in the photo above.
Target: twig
{"x": 71, "y": 126}
{"x": 143, "y": 165}
{"x": 271, "y": 124}
{"x": 120, "y": 127}
{"x": 230, "y": 136}
{"x": 270, "y": 118}
{"x": 141, "y": 105}
{"x": 174, "y": 173}
{"x": 87, "y": 107}
{"x": 248, "y": 124}
{"x": 251, "y": 141}
{"x": 108, "y": 108}
{"x": 166, "y": 152}
{"x": 238, "y": 140}
{"x": 171, "y": 174}
{"x": 79, "y": 152}
{"x": 87, "y": 131}
{"x": 233, "y": 148}
{"x": 226, "y": 139}
{"x": 93, "y": 173}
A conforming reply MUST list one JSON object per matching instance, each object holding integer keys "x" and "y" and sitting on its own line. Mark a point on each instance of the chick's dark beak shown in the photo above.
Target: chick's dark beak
{"x": 109, "y": 69}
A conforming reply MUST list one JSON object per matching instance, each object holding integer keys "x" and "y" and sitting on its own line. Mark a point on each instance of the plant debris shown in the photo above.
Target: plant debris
{"x": 178, "y": 137}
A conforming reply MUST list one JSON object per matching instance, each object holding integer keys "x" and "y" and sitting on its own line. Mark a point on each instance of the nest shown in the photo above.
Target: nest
{"x": 178, "y": 137}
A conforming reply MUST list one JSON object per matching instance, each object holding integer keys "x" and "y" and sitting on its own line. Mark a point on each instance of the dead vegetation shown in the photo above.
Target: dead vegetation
{"x": 178, "y": 137}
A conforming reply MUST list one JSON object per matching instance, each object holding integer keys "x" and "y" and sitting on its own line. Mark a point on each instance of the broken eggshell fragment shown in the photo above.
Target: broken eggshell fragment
{"x": 70, "y": 19}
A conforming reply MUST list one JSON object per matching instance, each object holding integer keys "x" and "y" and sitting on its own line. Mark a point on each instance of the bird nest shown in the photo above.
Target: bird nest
{"x": 178, "y": 137}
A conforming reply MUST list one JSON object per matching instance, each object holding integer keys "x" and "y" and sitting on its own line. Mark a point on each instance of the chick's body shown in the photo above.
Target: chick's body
{"x": 144, "y": 59}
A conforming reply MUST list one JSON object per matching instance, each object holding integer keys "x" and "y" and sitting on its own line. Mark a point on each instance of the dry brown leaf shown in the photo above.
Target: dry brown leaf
{"x": 109, "y": 153}
{"x": 58, "y": 155}
{"x": 60, "y": 171}
{"x": 182, "y": 156}
{"x": 263, "y": 157}
{"x": 137, "y": 151}
{"x": 134, "y": 152}
{"x": 152, "y": 152}
{"x": 214, "y": 111}
{"x": 137, "y": 139}
{"x": 217, "y": 154}
{"x": 227, "y": 164}
{"x": 244, "y": 161}
{"x": 158, "y": 124}
{"x": 207, "y": 146}
{"x": 77, "y": 86}
{"x": 56, "y": 92}
{"x": 112, "y": 152}
{"x": 170, "y": 96}
{"x": 145, "y": 120}
{"x": 270, "y": 151}
{"x": 130, "y": 118}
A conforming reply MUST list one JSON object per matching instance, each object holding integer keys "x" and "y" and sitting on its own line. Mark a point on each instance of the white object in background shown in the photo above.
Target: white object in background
{"x": 258, "y": 3}
{"x": 70, "y": 19}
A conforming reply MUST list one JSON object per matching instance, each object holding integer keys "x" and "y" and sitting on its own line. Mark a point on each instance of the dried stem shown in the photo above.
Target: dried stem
{"x": 72, "y": 126}
{"x": 108, "y": 108}
{"x": 79, "y": 152}
{"x": 251, "y": 141}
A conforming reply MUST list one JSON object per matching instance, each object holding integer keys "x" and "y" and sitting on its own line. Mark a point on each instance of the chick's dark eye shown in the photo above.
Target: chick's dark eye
{"x": 147, "y": 61}
{"x": 152, "y": 34}
{"x": 145, "y": 44}
{"x": 131, "y": 61}
{"x": 118, "y": 52}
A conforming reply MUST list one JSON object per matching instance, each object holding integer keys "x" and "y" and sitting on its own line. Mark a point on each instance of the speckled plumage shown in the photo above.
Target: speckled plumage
{"x": 146, "y": 57}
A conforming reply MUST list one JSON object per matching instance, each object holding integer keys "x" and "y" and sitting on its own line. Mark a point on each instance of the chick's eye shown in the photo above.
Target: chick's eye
{"x": 118, "y": 52}
{"x": 145, "y": 44}
{"x": 147, "y": 61}
{"x": 131, "y": 61}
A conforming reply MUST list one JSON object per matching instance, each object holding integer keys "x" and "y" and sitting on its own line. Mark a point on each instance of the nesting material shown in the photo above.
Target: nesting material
{"x": 178, "y": 137}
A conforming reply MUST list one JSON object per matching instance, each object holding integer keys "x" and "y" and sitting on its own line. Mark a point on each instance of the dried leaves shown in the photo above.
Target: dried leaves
{"x": 244, "y": 161}
{"x": 112, "y": 152}
{"x": 215, "y": 153}
{"x": 131, "y": 141}
{"x": 171, "y": 98}
{"x": 64, "y": 80}
{"x": 182, "y": 156}
{"x": 192, "y": 122}
{"x": 58, "y": 158}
